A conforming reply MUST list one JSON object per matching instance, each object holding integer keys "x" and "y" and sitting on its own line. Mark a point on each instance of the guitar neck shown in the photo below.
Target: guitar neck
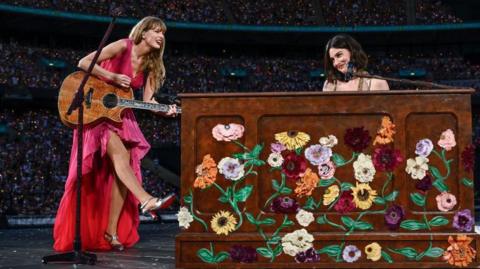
{"x": 144, "y": 105}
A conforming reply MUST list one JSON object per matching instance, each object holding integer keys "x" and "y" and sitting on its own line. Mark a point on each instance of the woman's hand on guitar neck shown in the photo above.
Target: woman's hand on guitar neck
{"x": 172, "y": 110}
{"x": 121, "y": 80}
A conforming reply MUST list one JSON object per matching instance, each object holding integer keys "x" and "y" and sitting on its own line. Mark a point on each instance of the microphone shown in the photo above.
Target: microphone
{"x": 350, "y": 72}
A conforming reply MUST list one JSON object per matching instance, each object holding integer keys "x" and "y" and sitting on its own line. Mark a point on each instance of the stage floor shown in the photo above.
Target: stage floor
{"x": 24, "y": 248}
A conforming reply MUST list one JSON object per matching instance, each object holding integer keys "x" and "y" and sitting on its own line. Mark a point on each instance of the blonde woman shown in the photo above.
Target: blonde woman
{"x": 111, "y": 181}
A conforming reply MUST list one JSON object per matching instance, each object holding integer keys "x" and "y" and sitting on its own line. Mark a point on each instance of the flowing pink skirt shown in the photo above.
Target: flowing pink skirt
{"x": 98, "y": 175}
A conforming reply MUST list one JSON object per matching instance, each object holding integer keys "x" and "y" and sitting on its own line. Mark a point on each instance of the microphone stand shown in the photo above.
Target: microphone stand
{"x": 408, "y": 81}
{"x": 77, "y": 256}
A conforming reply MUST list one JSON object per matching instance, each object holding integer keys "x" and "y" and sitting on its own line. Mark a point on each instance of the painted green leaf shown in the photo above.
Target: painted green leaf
{"x": 223, "y": 199}
{"x": 349, "y": 222}
{"x": 250, "y": 218}
{"x": 435, "y": 172}
{"x": 387, "y": 257}
{"x": 417, "y": 198}
{"x": 321, "y": 220}
{"x": 221, "y": 256}
{"x": 278, "y": 250}
{"x": 287, "y": 222}
{"x": 438, "y": 221}
{"x": 266, "y": 221}
{"x": 413, "y": 225}
{"x": 286, "y": 190}
{"x": 345, "y": 186}
{"x": 187, "y": 199}
{"x": 275, "y": 185}
{"x": 434, "y": 252}
{"x": 467, "y": 182}
{"x": 298, "y": 151}
{"x": 265, "y": 252}
{"x": 363, "y": 225}
{"x": 243, "y": 194}
{"x": 440, "y": 185}
{"x": 274, "y": 240}
{"x": 408, "y": 252}
{"x": 241, "y": 156}
{"x": 309, "y": 204}
{"x": 379, "y": 200}
{"x": 338, "y": 160}
{"x": 256, "y": 151}
{"x": 258, "y": 162}
{"x": 392, "y": 196}
{"x": 331, "y": 250}
{"x": 205, "y": 255}
{"x": 325, "y": 182}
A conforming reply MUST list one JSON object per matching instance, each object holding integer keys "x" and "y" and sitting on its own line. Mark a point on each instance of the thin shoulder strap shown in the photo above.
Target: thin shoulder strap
{"x": 360, "y": 85}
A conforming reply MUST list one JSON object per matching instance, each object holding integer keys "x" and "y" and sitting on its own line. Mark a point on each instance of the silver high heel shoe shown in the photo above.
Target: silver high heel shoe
{"x": 110, "y": 238}
{"x": 160, "y": 203}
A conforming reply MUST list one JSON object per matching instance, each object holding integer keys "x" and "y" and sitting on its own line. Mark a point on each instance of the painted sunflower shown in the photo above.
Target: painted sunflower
{"x": 363, "y": 195}
{"x": 223, "y": 222}
{"x": 292, "y": 139}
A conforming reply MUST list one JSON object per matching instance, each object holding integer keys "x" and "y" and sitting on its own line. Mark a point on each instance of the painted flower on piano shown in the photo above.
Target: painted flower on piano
{"x": 206, "y": 173}
{"x": 292, "y": 139}
{"x": 459, "y": 253}
{"x": 228, "y": 132}
{"x": 385, "y": 133}
{"x": 184, "y": 217}
{"x": 231, "y": 168}
{"x": 447, "y": 140}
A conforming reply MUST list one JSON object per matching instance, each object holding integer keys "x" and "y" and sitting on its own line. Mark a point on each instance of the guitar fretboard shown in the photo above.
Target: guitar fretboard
{"x": 144, "y": 105}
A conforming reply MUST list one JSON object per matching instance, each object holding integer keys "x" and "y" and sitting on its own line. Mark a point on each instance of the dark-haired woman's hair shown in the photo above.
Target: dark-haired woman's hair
{"x": 343, "y": 41}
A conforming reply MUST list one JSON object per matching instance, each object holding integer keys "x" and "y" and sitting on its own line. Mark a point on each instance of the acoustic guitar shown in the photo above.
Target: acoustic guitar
{"x": 101, "y": 101}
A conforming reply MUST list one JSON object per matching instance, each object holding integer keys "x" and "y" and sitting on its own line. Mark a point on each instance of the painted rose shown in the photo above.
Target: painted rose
{"x": 304, "y": 218}
{"x": 326, "y": 170}
{"x": 184, "y": 217}
{"x": 363, "y": 168}
{"x": 446, "y": 201}
{"x": 317, "y": 154}
{"x": 424, "y": 147}
{"x": 447, "y": 140}
{"x": 417, "y": 168}
{"x": 231, "y": 168}
{"x": 329, "y": 141}
{"x": 228, "y": 132}
{"x": 296, "y": 241}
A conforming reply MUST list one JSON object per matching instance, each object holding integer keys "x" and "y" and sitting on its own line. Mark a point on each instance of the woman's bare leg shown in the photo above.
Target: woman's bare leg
{"x": 119, "y": 193}
{"x": 121, "y": 163}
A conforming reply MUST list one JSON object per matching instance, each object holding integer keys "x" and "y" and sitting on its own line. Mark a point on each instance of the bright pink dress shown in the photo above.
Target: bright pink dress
{"x": 98, "y": 175}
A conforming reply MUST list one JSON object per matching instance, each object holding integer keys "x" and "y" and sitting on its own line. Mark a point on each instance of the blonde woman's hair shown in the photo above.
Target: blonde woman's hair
{"x": 153, "y": 62}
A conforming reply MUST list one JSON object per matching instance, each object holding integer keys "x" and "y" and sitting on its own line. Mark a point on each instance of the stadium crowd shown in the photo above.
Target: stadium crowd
{"x": 253, "y": 12}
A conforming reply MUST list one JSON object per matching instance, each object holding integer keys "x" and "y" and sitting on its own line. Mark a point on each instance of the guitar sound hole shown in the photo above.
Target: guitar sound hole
{"x": 110, "y": 100}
